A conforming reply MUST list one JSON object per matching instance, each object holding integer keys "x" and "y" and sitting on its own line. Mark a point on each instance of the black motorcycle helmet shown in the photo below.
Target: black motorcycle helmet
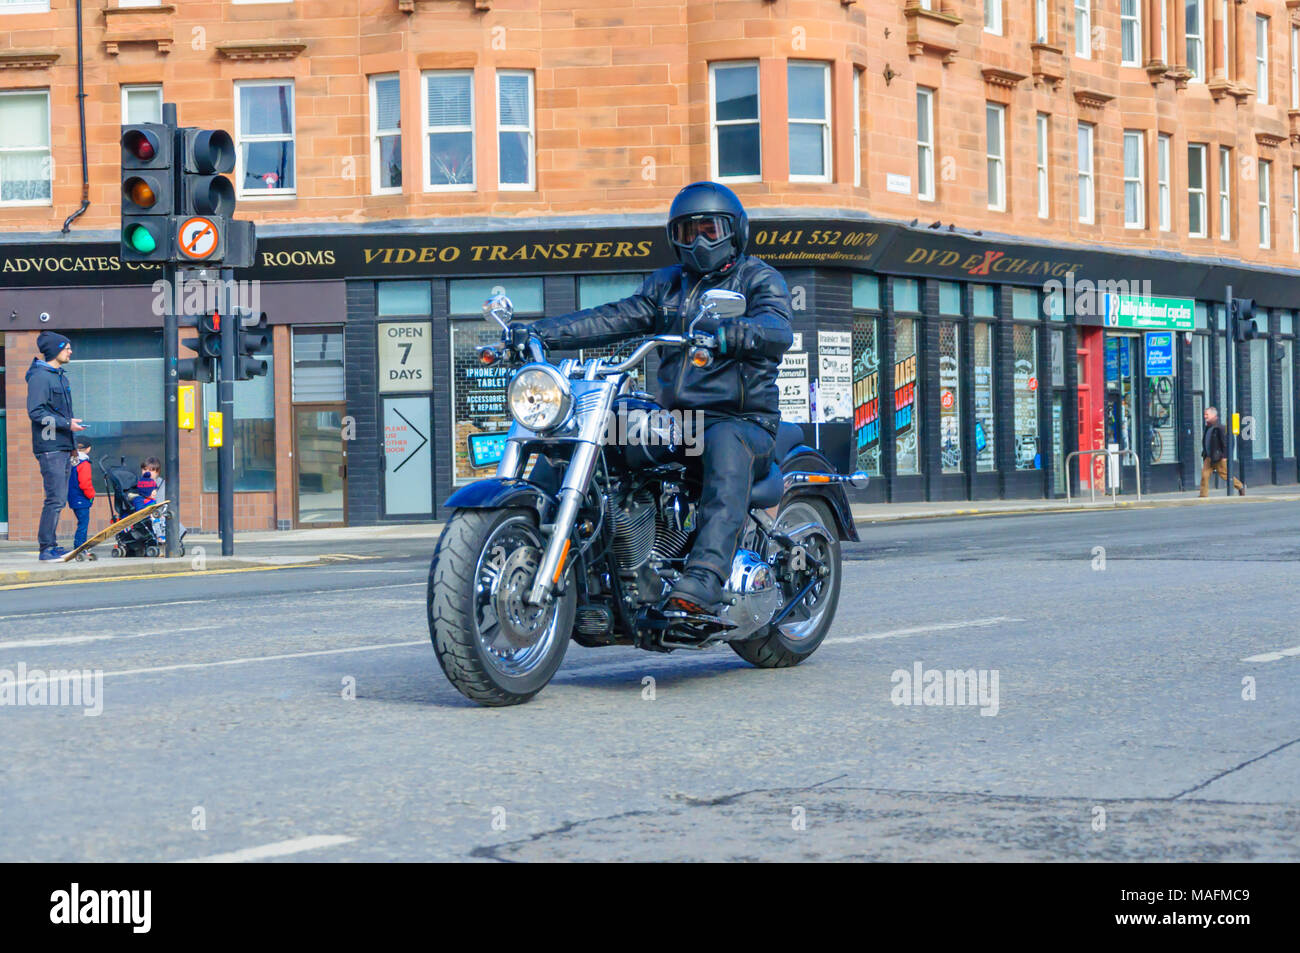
{"x": 707, "y": 228}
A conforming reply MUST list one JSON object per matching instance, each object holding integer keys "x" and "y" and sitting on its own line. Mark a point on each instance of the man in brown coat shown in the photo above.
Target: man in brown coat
{"x": 1214, "y": 453}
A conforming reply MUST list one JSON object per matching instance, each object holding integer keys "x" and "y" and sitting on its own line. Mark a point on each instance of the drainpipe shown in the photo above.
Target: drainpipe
{"x": 81, "y": 109}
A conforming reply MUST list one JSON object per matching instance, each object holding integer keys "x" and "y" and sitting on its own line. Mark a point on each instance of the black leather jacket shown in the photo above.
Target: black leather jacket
{"x": 666, "y": 304}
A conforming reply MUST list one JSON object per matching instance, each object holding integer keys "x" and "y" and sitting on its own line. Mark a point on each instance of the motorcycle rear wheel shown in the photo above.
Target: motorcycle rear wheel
{"x": 798, "y": 636}
{"x": 489, "y": 660}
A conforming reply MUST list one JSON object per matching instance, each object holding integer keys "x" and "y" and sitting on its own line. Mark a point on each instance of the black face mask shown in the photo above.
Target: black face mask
{"x": 702, "y": 257}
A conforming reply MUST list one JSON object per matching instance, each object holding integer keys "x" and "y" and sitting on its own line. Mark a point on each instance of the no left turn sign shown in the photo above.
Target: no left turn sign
{"x": 197, "y": 237}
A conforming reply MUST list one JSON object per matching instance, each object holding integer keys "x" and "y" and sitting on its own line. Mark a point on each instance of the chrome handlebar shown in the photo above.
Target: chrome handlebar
{"x": 537, "y": 352}
{"x": 707, "y": 341}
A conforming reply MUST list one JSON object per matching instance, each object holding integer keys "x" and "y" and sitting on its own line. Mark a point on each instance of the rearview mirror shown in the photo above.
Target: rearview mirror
{"x": 720, "y": 304}
{"x": 500, "y": 309}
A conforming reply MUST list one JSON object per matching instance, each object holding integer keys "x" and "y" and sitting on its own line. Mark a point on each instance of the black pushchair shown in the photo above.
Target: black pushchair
{"x": 145, "y": 538}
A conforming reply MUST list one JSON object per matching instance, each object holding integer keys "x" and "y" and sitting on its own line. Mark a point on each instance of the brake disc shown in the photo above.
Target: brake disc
{"x": 522, "y": 624}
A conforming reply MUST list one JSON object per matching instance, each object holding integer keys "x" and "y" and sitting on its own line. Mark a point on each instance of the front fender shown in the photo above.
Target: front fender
{"x": 497, "y": 493}
{"x": 832, "y": 494}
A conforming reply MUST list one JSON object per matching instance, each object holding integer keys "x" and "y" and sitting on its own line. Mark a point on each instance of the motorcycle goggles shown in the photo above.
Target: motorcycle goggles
{"x": 712, "y": 228}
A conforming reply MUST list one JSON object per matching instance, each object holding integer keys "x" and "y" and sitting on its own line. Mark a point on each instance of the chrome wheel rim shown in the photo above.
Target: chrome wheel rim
{"x": 515, "y": 638}
{"x": 805, "y": 618}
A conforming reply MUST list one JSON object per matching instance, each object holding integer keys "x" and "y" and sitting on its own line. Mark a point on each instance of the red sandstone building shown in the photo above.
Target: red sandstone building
{"x": 937, "y": 180}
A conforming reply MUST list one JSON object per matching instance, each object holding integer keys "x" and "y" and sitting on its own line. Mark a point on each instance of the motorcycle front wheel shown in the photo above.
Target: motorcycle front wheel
{"x": 799, "y": 634}
{"x": 494, "y": 648}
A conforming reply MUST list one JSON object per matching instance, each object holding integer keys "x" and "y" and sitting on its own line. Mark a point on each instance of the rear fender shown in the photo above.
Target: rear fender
{"x": 832, "y": 494}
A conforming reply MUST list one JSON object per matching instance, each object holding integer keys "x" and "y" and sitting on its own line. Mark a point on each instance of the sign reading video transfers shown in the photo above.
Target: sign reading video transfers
{"x": 1160, "y": 314}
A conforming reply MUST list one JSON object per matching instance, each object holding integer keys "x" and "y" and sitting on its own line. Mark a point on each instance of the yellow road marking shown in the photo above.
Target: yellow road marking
{"x": 153, "y": 575}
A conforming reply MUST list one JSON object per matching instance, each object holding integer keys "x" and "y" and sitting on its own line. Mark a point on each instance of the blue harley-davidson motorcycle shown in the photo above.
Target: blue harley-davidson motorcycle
{"x": 585, "y": 545}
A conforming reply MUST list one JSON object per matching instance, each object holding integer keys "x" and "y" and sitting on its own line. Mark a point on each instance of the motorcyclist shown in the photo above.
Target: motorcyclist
{"x": 737, "y": 394}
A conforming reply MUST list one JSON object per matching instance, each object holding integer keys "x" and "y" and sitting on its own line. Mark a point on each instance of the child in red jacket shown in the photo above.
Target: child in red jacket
{"x": 81, "y": 491}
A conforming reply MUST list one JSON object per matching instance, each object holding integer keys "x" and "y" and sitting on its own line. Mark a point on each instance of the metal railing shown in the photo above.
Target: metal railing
{"x": 1092, "y": 484}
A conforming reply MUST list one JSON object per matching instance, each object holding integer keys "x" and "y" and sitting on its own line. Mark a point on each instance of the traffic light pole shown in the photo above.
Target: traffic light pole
{"x": 226, "y": 402}
{"x": 1230, "y": 343}
{"x": 171, "y": 392}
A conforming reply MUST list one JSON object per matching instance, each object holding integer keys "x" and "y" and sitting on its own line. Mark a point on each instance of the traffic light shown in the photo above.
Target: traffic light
{"x": 1242, "y": 318}
{"x": 147, "y": 199}
{"x": 207, "y": 154}
{"x": 207, "y": 347}
{"x": 251, "y": 338}
{"x": 205, "y": 198}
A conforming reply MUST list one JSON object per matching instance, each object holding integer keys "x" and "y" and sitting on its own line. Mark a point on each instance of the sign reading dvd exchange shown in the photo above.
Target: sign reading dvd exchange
{"x": 405, "y": 357}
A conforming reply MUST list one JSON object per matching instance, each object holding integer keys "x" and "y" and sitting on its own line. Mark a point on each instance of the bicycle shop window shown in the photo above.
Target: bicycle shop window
{"x": 984, "y": 337}
{"x": 1160, "y": 348}
{"x": 251, "y": 436}
{"x": 950, "y": 435}
{"x": 907, "y": 368}
{"x": 866, "y": 372}
{"x": 1024, "y": 342}
{"x": 1286, "y": 374}
{"x": 478, "y": 393}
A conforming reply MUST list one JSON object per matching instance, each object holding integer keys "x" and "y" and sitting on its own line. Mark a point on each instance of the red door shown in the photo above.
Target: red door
{"x": 1092, "y": 417}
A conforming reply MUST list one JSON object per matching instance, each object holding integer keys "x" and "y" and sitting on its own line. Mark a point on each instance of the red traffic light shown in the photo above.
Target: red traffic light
{"x": 140, "y": 143}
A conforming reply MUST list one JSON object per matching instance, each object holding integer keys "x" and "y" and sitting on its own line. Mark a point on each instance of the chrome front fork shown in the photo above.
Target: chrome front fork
{"x": 577, "y": 478}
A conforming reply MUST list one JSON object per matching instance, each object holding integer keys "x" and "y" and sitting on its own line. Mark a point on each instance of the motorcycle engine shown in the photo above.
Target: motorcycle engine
{"x": 633, "y": 524}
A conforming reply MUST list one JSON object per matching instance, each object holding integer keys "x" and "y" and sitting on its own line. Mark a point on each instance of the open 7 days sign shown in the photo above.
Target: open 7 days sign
{"x": 405, "y": 357}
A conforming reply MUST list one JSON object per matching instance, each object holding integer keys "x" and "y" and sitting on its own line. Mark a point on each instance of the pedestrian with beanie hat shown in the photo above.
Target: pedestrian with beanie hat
{"x": 49, "y": 405}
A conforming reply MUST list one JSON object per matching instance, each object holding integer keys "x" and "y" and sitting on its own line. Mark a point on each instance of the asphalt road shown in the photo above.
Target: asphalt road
{"x": 1119, "y": 729}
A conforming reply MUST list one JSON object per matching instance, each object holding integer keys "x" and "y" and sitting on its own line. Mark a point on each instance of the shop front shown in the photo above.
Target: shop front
{"x": 947, "y": 366}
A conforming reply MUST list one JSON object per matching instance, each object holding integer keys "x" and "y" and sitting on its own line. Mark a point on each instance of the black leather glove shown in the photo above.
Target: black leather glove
{"x": 736, "y": 338}
{"x": 518, "y": 335}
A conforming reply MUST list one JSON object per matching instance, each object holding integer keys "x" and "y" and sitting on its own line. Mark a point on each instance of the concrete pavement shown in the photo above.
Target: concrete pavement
{"x": 1147, "y": 710}
{"x": 271, "y": 548}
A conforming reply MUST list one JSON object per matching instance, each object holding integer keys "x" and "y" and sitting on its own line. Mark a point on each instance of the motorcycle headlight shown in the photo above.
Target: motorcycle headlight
{"x": 539, "y": 398}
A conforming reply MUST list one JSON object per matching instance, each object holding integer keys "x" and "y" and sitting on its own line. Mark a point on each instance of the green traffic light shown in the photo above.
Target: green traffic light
{"x": 139, "y": 238}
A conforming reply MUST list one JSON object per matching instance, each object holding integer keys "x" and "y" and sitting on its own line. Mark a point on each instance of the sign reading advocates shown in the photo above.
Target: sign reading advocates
{"x": 1166, "y": 314}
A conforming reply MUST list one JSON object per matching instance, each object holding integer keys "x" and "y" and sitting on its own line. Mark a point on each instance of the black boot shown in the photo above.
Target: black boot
{"x": 697, "y": 591}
